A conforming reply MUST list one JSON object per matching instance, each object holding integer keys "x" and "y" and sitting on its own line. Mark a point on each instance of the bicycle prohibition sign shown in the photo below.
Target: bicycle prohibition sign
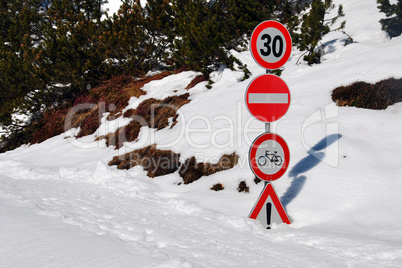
{"x": 269, "y": 156}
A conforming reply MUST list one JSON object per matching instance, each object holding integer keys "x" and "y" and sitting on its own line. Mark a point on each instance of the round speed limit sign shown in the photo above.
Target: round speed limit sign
{"x": 270, "y": 44}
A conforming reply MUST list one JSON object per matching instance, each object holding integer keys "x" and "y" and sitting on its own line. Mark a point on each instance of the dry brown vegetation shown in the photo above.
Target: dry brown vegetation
{"x": 243, "y": 187}
{"x": 88, "y": 119}
{"x": 191, "y": 171}
{"x": 371, "y": 96}
{"x": 50, "y": 125}
{"x": 196, "y": 80}
{"x": 162, "y": 162}
{"x": 157, "y": 112}
{"x": 156, "y": 162}
{"x": 127, "y": 133}
{"x": 150, "y": 112}
{"x": 111, "y": 96}
{"x": 56, "y": 121}
{"x": 257, "y": 180}
{"x": 217, "y": 187}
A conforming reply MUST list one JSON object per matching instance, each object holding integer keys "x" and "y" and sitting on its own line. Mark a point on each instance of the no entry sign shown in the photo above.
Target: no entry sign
{"x": 271, "y": 44}
{"x": 269, "y": 156}
{"x": 267, "y": 98}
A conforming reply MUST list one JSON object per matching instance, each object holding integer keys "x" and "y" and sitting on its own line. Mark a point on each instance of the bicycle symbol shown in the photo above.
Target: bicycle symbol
{"x": 272, "y": 157}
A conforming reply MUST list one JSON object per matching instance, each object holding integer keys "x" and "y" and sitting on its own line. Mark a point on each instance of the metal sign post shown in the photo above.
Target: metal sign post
{"x": 267, "y": 99}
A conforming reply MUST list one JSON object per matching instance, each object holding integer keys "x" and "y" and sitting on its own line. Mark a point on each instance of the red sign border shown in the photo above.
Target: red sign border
{"x": 253, "y": 151}
{"x": 258, "y": 117}
{"x": 269, "y": 191}
{"x": 253, "y": 44}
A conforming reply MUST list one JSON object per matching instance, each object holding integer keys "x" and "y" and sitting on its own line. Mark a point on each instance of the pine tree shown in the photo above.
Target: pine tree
{"x": 198, "y": 24}
{"x": 123, "y": 38}
{"x": 71, "y": 42}
{"x": 53, "y": 51}
{"x": 48, "y": 54}
{"x": 20, "y": 32}
{"x": 393, "y": 23}
{"x": 314, "y": 27}
{"x": 159, "y": 32}
{"x": 208, "y": 30}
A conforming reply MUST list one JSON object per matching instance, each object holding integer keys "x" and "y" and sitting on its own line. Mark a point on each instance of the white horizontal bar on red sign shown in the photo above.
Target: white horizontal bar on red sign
{"x": 273, "y": 98}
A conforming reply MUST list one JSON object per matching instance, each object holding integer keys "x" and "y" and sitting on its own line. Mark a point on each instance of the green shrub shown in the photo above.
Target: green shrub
{"x": 393, "y": 23}
{"x": 314, "y": 27}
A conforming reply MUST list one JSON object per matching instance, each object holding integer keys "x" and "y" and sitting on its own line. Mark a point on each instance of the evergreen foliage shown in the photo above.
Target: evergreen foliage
{"x": 198, "y": 45}
{"x": 52, "y": 52}
{"x": 20, "y": 30}
{"x": 137, "y": 38}
{"x": 208, "y": 30}
{"x": 69, "y": 48}
{"x": 393, "y": 23}
{"x": 314, "y": 27}
{"x": 123, "y": 38}
{"x": 49, "y": 54}
{"x": 159, "y": 33}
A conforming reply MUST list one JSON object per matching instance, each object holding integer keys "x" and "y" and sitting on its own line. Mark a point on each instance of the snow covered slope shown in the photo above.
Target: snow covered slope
{"x": 62, "y": 205}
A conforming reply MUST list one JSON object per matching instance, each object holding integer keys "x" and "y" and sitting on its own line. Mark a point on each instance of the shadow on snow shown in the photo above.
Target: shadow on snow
{"x": 311, "y": 160}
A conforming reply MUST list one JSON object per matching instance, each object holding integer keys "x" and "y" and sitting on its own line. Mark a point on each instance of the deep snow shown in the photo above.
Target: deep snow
{"x": 62, "y": 205}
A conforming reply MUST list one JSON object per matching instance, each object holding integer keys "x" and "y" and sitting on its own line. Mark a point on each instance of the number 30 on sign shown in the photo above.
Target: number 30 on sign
{"x": 271, "y": 44}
